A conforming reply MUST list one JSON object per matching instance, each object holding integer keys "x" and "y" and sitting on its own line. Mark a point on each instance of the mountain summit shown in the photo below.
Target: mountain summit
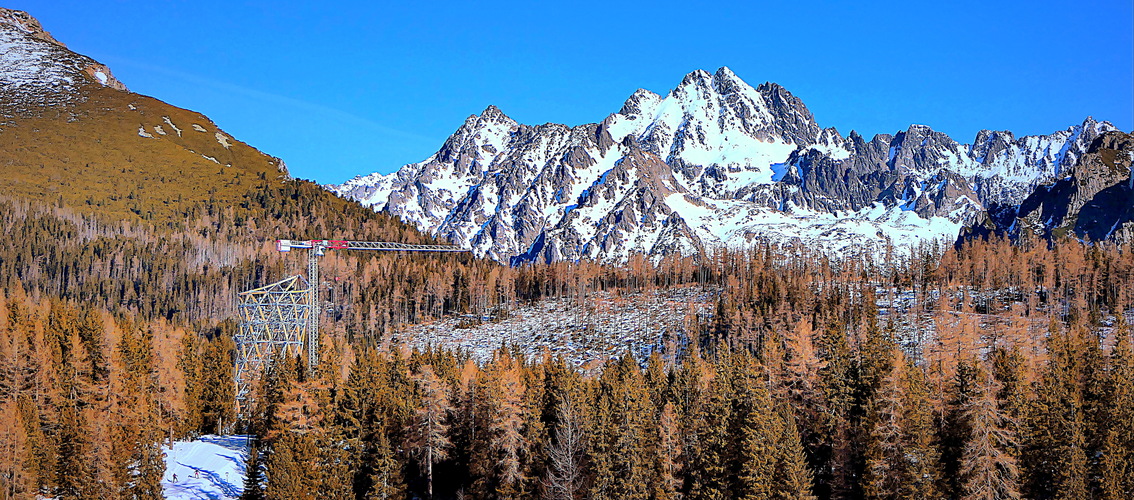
{"x": 32, "y": 62}
{"x": 716, "y": 162}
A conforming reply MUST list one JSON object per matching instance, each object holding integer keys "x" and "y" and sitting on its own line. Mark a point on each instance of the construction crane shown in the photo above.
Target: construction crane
{"x": 317, "y": 249}
{"x": 284, "y": 314}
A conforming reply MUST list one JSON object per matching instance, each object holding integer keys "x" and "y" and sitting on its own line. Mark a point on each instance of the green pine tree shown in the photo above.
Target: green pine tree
{"x": 793, "y": 477}
{"x": 757, "y": 430}
{"x": 1054, "y": 455}
{"x": 253, "y": 475}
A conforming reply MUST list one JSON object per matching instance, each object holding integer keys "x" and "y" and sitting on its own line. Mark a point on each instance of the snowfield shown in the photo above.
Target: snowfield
{"x": 210, "y": 467}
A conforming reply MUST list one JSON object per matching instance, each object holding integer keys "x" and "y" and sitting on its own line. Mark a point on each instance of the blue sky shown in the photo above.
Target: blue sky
{"x": 343, "y": 88}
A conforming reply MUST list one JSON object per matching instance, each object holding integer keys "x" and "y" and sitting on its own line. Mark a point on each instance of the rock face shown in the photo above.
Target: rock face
{"x": 1095, "y": 201}
{"x": 714, "y": 162}
{"x": 33, "y": 63}
{"x": 25, "y": 22}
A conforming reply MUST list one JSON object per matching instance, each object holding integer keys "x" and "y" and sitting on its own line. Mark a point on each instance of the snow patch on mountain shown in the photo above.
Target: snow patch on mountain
{"x": 37, "y": 70}
{"x": 715, "y": 162}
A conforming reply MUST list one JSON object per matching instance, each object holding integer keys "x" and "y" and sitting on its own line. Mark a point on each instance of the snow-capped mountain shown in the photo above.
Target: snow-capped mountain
{"x": 714, "y": 162}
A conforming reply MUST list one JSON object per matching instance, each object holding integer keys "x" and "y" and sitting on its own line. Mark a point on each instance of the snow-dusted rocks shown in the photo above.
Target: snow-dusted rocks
{"x": 34, "y": 66}
{"x": 1093, "y": 199}
{"x": 715, "y": 162}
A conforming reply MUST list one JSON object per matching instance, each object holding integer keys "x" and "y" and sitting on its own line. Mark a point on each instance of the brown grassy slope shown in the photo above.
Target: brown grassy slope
{"x": 90, "y": 155}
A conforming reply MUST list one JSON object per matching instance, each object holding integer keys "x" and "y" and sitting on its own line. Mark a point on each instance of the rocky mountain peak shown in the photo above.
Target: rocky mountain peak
{"x": 990, "y": 142}
{"x": 640, "y": 103}
{"x": 726, "y": 82}
{"x": 35, "y": 65}
{"x": 794, "y": 121}
{"x": 697, "y": 77}
{"x": 26, "y": 23}
{"x": 492, "y": 114}
{"x": 715, "y": 162}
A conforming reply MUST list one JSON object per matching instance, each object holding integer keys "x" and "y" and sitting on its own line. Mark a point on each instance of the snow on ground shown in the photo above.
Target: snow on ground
{"x": 739, "y": 224}
{"x": 210, "y": 467}
{"x": 601, "y": 325}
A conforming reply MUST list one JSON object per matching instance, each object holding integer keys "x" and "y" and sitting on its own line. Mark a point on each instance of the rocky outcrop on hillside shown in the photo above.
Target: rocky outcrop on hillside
{"x": 34, "y": 64}
{"x": 713, "y": 162}
{"x": 25, "y": 22}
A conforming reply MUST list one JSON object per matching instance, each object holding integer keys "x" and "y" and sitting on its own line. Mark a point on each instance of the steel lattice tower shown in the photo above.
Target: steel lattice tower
{"x": 284, "y": 317}
{"x": 274, "y": 320}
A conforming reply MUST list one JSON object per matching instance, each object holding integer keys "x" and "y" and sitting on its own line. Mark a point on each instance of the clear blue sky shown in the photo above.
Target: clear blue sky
{"x": 350, "y": 87}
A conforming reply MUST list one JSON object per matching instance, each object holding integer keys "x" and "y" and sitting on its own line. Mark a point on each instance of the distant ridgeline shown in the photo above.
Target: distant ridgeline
{"x": 717, "y": 162}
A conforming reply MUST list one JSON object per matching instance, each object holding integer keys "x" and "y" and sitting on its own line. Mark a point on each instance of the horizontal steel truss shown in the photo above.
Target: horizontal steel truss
{"x": 286, "y": 245}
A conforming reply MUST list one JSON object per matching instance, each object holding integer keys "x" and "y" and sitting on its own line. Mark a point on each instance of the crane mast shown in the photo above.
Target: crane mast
{"x": 283, "y": 315}
{"x": 317, "y": 249}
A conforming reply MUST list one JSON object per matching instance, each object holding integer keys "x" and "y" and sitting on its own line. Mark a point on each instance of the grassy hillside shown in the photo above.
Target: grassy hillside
{"x": 127, "y": 157}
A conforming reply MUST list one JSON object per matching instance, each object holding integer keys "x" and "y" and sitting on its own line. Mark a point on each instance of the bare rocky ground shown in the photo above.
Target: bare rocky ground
{"x": 592, "y": 328}
{"x": 601, "y": 325}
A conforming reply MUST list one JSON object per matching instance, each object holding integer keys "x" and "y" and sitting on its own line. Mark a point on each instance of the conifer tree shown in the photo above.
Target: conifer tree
{"x": 707, "y": 444}
{"x": 831, "y": 444}
{"x": 756, "y": 430}
{"x": 386, "y": 477}
{"x": 507, "y": 426}
{"x": 38, "y": 451}
{"x": 793, "y": 478}
{"x": 1054, "y": 457}
{"x": 292, "y": 474}
{"x": 918, "y": 433}
{"x": 253, "y": 475}
{"x": 1008, "y": 371}
{"x": 16, "y": 481}
{"x": 189, "y": 362}
{"x": 427, "y": 437}
{"x": 335, "y": 465}
{"x": 670, "y": 454}
{"x": 620, "y": 440}
{"x": 1117, "y": 462}
{"x": 987, "y": 466}
{"x": 565, "y": 453}
{"x": 634, "y": 413}
{"x": 217, "y": 392}
{"x": 954, "y": 432}
{"x": 73, "y": 475}
{"x": 150, "y": 469}
{"x": 886, "y": 462}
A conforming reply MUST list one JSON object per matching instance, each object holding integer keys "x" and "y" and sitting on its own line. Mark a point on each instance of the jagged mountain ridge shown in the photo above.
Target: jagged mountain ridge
{"x": 1094, "y": 201}
{"x": 714, "y": 162}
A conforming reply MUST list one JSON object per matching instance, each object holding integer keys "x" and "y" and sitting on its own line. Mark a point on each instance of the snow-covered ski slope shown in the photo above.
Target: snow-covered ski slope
{"x": 210, "y": 467}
